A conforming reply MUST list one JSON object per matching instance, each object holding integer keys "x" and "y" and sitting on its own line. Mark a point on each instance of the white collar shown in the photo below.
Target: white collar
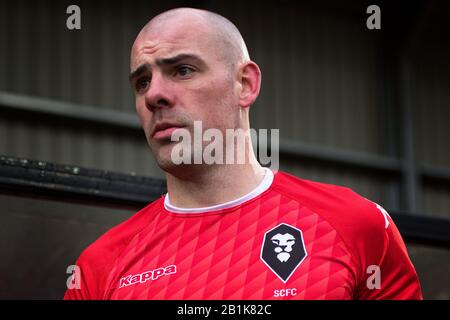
{"x": 263, "y": 186}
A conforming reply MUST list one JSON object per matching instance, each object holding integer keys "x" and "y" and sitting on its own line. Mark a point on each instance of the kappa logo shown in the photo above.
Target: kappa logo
{"x": 283, "y": 250}
{"x": 146, "y": 276}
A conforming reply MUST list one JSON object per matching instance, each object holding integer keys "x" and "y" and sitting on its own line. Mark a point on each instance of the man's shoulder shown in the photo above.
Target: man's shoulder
{"x": 113, "y": 241}
{"x": 96, "y": 261}
{"x": 346, "y": 210}
{"x": 312, "y": 193}
{"x": 299, "y": 186}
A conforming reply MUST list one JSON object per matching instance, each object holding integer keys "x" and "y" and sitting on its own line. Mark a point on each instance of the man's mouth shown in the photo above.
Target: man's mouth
{"x": 164, "y": 130}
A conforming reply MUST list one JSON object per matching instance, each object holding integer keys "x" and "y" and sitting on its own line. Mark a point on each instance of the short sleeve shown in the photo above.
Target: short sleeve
{"x": 394, "y": 277}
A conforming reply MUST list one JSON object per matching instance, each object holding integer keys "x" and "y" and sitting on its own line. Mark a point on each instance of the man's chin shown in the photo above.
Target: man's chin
{"x": 163, "y": 157}
{"x": 178, "y": 169}
{"x": 181, "y": 171}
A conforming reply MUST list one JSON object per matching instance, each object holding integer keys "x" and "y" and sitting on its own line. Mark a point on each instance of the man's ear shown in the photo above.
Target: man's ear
{"x": 250, "y": 77}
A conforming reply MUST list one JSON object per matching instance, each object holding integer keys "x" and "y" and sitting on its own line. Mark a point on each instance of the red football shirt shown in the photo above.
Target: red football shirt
{"x": 296, "y": 239}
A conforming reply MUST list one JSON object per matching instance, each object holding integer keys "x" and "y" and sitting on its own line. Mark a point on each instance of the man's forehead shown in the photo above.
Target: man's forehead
{"x": 169, "y": 43}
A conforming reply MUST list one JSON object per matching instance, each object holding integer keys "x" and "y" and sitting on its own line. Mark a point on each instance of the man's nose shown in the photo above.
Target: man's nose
{"x": 159, "y": 93}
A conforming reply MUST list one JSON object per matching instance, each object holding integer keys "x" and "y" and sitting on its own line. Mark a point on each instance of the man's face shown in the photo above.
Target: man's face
{"x": 179, "y": 76}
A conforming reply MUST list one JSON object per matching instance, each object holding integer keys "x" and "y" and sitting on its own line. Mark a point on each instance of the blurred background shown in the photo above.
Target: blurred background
{"x": 368, "y": 109}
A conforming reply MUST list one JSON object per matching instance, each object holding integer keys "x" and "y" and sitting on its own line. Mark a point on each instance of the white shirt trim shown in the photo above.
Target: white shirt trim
{"x": 263, "y": 186}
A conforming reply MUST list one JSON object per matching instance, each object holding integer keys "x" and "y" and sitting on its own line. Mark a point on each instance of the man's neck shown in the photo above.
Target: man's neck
{"x": 214, "y": 185}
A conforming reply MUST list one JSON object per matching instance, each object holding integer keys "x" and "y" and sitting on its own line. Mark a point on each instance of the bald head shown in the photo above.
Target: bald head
{"x": 222, "y": 33}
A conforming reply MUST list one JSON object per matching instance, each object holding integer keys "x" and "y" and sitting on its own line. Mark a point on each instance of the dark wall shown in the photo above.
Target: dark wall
{"x": 39, "y": 239}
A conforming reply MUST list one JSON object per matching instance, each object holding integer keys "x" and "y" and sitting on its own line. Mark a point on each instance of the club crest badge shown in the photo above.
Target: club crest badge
{"x": 283, "y": 250}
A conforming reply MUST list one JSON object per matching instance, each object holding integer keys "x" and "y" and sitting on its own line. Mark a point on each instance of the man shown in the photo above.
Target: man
{"x": 234, "y": 230}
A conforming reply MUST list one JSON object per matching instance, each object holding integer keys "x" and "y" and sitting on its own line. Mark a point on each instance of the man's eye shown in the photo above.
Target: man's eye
{"x": 142, "y": 84}
{"x": 184, "y": 71}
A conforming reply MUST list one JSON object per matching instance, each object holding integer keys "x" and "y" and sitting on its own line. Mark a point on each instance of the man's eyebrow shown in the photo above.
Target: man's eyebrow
{"x": 178, "y": 58}
{"x": 139, "y": 70}
{"x": 166, "y": 61}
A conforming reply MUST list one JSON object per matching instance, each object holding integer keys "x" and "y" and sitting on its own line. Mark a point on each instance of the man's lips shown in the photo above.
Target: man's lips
{"x": 165, "y": 130}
